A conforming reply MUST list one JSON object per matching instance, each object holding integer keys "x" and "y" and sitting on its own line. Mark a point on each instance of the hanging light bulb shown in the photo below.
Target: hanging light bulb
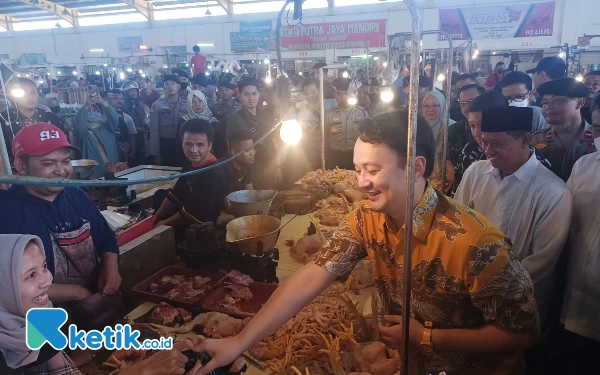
{"x": 268, "y": 80}
{"x": 299, "y": 73}
{"x": 97, "y": 72}
{"x": 129, "y": 70}
{"x": 74, "y": 72}
{"x": 143, "y": 75}
{"x": 105, "y": 64}
{"x": 376, "y": 58}
{"x": 122, "y": 75}
{"x": 267, "y": 61}
{"x": 208, "y": 12}
{"x": 59, "y": 72}
{"x": 387, "y": 95}
{"x": 441, "y": 77}
{"x": 48, "y": 73}
{"x": 141, "y": 71}
{"x": 579, "y": 78}
{"x": 165, "y": 67}
{"x": 207, "y": 73}
{"x": 385, "y": 64}
{"x": 290, "y": 132}
{"x": 345, "y": 74}
{"x": 19, "y": 75}
{"x": 114, "y": 69}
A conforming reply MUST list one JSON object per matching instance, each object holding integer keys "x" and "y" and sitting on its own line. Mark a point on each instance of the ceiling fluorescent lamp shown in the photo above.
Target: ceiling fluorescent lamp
{"x": 205, "y": 44}
{"x": 97, "y": 50}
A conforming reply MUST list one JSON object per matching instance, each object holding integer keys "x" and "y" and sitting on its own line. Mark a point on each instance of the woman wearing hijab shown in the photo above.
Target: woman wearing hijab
{"x": 434, "y": 108}
{"x": 25, "y": 281}
{"x": 197, "y": 104}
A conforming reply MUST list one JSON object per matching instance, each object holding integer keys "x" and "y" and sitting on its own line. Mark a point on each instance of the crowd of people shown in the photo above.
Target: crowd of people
{"x": 506, "y": 243}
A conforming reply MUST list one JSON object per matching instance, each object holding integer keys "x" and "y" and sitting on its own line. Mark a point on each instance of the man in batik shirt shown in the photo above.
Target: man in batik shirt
{"x": 472, "y": 307}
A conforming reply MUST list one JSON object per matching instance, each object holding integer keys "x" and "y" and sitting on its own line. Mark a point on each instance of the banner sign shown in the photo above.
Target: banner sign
{"x": 498, "y": 21}
{"x": 251, "y": 42}
{"x": 347, "y": 34}
{"x": 129, "y": 43}
{"x": 255, "y": 27}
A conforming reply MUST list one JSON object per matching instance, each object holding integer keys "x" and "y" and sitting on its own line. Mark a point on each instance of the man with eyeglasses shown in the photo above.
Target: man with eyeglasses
{"x": 569, "y": 136}
{"x": 516, "y": 88}
{"x": 459, "y": 134}
{"x": 548, "y": 69}
{"x": 462, "y": 80}
{"x": 591, "y": 80}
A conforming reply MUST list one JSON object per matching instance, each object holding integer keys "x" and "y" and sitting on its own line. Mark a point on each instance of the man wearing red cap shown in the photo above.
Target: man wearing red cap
{"x": 81, "y": 249}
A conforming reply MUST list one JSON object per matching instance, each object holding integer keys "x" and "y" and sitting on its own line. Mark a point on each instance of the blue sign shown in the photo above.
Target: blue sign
{"x": 256, "y": 27}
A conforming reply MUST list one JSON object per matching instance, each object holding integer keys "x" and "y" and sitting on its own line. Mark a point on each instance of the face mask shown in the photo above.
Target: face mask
{"x": 523, "y": 104}
{"x": 55, "y": 109}
{"x": 597, "y": 143}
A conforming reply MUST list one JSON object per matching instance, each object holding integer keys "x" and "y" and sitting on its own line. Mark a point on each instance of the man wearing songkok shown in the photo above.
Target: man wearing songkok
{"x": 569, "y": 136}
{"x": 528, "y": 202}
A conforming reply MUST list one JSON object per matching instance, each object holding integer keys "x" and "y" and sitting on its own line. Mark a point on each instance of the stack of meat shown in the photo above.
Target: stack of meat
{"x": 322, "y": 181}
{"x": 180, "y": 288}
{"x": 238, "y": 285}
{"x": 167, "y": 314}
{"x": 214, "y": 324}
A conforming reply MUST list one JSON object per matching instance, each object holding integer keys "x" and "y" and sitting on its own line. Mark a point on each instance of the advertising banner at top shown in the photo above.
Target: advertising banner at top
{"x": 498, "y": 21}
{"x": 346, "y": 34}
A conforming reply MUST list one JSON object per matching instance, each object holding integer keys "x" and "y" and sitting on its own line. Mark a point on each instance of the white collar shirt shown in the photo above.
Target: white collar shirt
{"x": 581, "y": 306}
{"x": 532, "y": 207}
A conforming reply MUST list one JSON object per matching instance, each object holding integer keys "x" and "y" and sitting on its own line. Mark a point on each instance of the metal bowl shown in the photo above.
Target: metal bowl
{"x": 83, "y": 167}
{"x": 254, "y": 234}
{"x": 251, "y": 202}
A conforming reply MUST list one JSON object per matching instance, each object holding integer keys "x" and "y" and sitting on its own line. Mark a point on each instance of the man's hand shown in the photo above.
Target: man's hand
{"x": 60, "y": 293}
{"x": 110, "y": 279}
{"x": 391, "y": 332}
{"x": 164, "y": 362}
{"x": 449, "y": 176}
{"x": 222, "y": 352}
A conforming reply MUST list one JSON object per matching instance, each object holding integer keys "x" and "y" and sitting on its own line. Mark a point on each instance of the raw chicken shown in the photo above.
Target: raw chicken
{"x": 216, "y": 325}
{"x": 362, "y": 276}
{"x": 380, "y": 359}
{"x": 165, "y": 313}
{"x": 124, "y": 358}
{"x": 240, "y": 292}
{"x": 238, "y": 278}
{"x": 307, "y": 246}
{"x": 199, "y": 281}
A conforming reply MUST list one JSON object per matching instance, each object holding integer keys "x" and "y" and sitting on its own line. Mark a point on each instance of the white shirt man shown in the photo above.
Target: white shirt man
{"x": 528, "y": 202}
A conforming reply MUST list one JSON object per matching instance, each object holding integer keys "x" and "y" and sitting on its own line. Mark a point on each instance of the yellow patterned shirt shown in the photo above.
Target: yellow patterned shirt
{"x": 464, "y": 275}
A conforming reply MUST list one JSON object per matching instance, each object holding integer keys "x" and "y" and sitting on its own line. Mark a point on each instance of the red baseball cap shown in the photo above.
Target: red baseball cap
{"x": 39, "y": 139}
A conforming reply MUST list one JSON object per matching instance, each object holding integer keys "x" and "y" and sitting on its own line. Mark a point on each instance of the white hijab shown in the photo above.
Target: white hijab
{"x": 12, "y": 317}
{"x": 206, "y": 114}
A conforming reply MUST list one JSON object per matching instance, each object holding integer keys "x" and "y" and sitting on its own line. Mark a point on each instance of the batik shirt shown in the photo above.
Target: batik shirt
{"x": 463, "y": 276}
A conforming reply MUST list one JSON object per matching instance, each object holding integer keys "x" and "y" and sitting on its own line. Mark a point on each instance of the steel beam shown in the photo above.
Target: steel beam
{"x": 145, "y": 8}
{"x": 7, "y": 21}
{"x": 69, "y": 15}
{"x": 227, "y": 5}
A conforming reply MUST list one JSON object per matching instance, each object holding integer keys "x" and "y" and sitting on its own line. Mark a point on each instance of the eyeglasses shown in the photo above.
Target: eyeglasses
{"x": 517, "y": 99}
{"x": 435, "y": 106}
{"x": 465, "y": 102}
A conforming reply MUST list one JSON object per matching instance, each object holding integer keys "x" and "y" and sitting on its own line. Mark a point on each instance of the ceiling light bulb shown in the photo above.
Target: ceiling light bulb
{"x": 129, "y": 70}
{"x": 105, "y": 64}
{"x": 290, "y": 132}
{"x": 352, "y": 100}
{"x": 268, "y": 80}
{"x": 48, "y": 73}
{"x": 114, "y": 69}
{"x": 207, "y": 73}
{"x": 441, "y": 77}
{"x": 122, "y": 75}
{"x": 18, "y": 74}
{"x": 141, "y": 71}
{"x": 252, "y": 61}
{"x": 59, "y": 72}
{"x": 165, "y": 67}
{"x": 477, "y": 52}
{"x": 97, "y": 72}
{"x": 579, "y": 78}
{"x": 267, "y": 61}
{"x": 345, "y": 74}
{"x": 376, "y": 58}
{"x": 387, "y": 96}
{"x": 74, "y": 72}
{"x": 143, "y": 75}
{"x": 186, "y": 64}
{"x": 385, "y": 64}
{"x": 474, "y": 57}
{"x": 41, "y": 81}
{"x": 299, "y": 73}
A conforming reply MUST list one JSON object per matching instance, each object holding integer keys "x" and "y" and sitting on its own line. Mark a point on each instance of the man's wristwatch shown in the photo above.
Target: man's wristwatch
{"x": 426, "y": 345}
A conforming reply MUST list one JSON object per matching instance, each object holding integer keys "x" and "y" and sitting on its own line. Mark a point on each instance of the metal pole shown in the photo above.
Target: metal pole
{"x": 278, "y": 38}
{"x": 410, "y": 177}
{"x": 322, "y": 103}
{"x": 3, "y": 151}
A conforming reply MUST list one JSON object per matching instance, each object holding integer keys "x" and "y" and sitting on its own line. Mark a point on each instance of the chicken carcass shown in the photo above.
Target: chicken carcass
{"x": 216, "y": 325}
{"x": 307, "y": 246}
{"x": 380, "y": 359}
{"x": 362, "y": 276}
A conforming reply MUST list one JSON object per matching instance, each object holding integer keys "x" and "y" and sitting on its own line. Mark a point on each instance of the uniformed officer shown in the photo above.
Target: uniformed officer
{"x": 165, "y": 117}
{"x": 139, "y": 113}
{"x": 376, "y": 106}
{"x": 342, "y": 124}
{"x": 184, "y": 80}
{"x": 569, "y": 136}
{"x": 222, "y": 110}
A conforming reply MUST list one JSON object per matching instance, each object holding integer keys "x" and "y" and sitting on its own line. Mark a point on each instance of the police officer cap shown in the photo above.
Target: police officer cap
{"x": 180, "y": 73}
{"x": 341, "y": 84}
{"x": 227, "y": 85}
{"x": 488, "y": 100}
{"x": 170, "y": 77}
{"x": 200, "y": 79}
{"x": 130, "y": 85}
{"x": 508, "y": 119}
{"x": 569, "y": 87}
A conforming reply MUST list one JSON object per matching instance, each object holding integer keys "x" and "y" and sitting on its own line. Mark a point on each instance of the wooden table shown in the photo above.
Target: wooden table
{"x": 296, "y": 229}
